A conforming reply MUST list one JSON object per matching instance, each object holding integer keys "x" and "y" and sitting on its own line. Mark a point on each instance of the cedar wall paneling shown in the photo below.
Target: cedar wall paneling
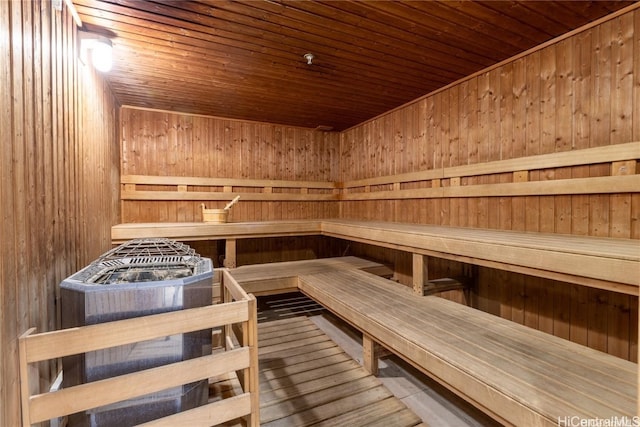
{"x": 58, "y": 176}
{"x": 581, "y": 92}
{"x": 173, "y": 144}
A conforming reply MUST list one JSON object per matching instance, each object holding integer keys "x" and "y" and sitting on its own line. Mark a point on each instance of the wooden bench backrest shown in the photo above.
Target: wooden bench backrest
{"x": 145, "y": 187}
{"x": 456, "y": 181}
{"x": 443, "y": 182}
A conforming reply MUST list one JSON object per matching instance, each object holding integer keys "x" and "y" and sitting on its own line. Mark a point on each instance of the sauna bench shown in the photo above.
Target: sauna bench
{"x": 281, "y": 277}
{"x": 605, "y": 263}
{"x": 192, "y": 231}
{"x": 517, "y": 375}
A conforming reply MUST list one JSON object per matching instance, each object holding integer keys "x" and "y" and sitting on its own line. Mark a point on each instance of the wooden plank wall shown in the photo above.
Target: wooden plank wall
{"x": 58, "y": 176}
{"x": 581, "y": 92}
{"x": 172, "y": 144}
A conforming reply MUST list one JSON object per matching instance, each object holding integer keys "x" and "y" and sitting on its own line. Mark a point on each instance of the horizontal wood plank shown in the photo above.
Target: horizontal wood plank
{"x": 283, "y": 276}
{"x": 596, "y": 185}
{"x": 615, "y": 260}
{"x": 207, "y": 415}
{"x": 222, "y": 182}
{"x": 189, "y": 231}
{"x": 587, "y": 156}
{"x": 319, "y": 385}
{"x": 218, "y": 195}
{"x": 104, "y": 392}
{"x": 48, "y": 345}
{"x": 370, "y": 414}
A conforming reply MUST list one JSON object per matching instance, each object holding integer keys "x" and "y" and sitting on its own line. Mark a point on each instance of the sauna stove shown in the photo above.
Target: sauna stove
{"x": 139, "y": 278}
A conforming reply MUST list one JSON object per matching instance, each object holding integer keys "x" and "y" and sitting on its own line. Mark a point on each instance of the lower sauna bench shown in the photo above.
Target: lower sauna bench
{"x": 515, "y": 374}
{"x": 282, "y": 277}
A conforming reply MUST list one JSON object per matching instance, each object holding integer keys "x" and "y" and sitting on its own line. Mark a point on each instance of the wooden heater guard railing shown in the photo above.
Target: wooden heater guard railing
{"x": 238, "y": 308}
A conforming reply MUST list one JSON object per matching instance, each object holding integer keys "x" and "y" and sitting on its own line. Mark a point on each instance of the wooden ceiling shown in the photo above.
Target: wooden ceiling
{"x": 244, "y": 59}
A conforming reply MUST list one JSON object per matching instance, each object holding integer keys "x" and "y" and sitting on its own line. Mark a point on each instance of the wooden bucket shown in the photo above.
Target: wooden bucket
{"x": 218, "y": 216}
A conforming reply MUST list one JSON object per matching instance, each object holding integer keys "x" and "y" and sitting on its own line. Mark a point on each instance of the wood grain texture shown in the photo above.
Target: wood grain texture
{"x": 58, "y": 176}
{"x": 596, "y": 262}
{"x": 549, "y": 117}
{"x": 305, "y": 378}
{"x": 272, "y": 278}
{"x": 576, "y": 94}
{"x": 232, "y": 157}
{"x": 495, "y": 364}
{"x": 244, "y": 59}
{"x": 59, "y": 171}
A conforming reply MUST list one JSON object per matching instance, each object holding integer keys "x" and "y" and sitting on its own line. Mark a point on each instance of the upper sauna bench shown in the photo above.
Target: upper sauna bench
{"x": 606, "y": 263}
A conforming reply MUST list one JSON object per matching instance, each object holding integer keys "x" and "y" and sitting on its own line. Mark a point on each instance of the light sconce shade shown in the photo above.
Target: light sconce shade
{"x": 99, "y": 48}
{"x": 102, "y": 55}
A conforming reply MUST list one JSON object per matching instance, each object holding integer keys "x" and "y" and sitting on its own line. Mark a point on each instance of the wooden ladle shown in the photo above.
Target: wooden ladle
{"x": 231, "y": 203}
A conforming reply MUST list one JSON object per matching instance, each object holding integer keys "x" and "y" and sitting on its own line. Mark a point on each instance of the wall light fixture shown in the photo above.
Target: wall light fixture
{"x": 99, "y": 48}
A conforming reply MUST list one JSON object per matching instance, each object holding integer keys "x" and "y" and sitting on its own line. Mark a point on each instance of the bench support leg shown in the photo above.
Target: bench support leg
{"x": 472, "y": 274}
{"x": 420, "y": 273}
{"x": 369, "y": 354}
{"x": 230, "y": 253}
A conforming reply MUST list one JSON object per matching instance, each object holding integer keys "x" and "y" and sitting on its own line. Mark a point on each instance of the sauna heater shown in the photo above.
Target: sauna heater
{"x": 138, "y": 278}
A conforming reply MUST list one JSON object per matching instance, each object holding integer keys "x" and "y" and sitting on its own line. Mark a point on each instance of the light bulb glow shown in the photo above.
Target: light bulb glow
{"x": 102, "y": 56}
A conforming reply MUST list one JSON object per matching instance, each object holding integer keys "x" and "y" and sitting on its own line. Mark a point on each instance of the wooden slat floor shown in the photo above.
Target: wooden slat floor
{"x": 311, "y": 374}
{"x": 307, "y": 379}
